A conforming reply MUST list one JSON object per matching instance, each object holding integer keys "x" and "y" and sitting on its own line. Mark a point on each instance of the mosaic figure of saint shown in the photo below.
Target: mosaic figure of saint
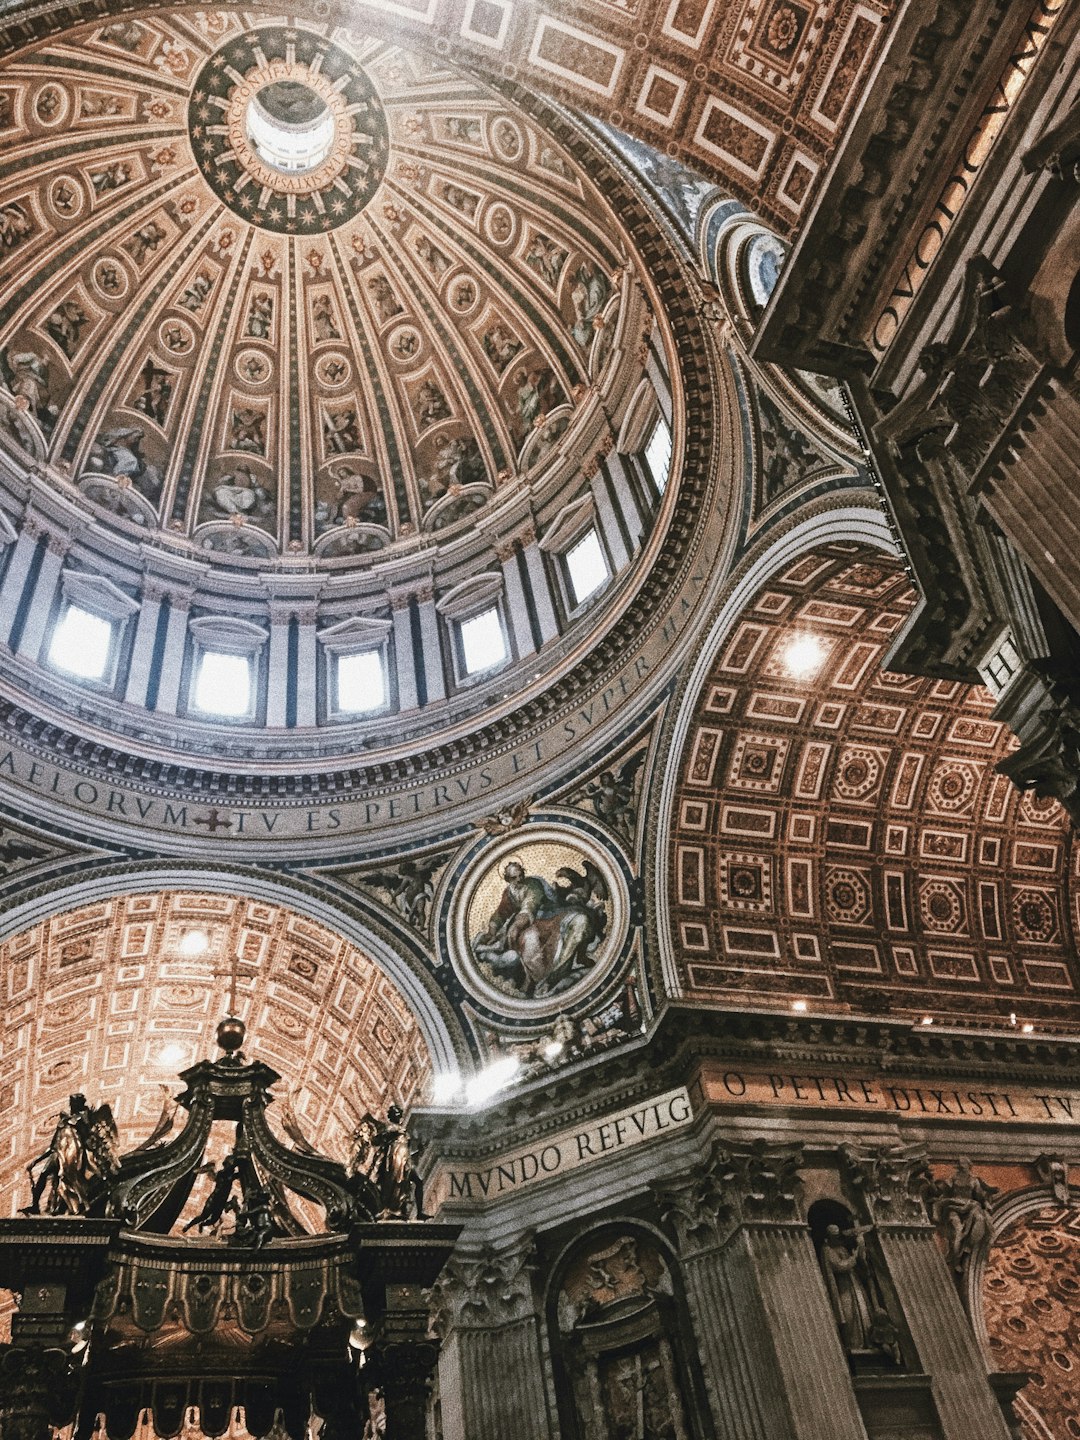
{"x": 386, "y": 302}
{"x": 15, "y": 226}
{"x": 543, "y": 935}
{"x": 546, "y": 258}
{"x": 588, "y": 295}
{"x": 27, "y": 375}
{"x": 156, "y": 392}
{"x": 322, "y": 319}
{"x": 431, "y": 405}
{"x": 247, "y": 430}
{"x": 145, "y": 241}
{"x": 260, "y": 316}
{"x": 196, "y": 291}
{"x": 65, "y": 325}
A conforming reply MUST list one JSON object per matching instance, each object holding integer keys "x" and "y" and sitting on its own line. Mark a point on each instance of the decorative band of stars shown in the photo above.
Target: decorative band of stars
{"x": 329, "y": 119}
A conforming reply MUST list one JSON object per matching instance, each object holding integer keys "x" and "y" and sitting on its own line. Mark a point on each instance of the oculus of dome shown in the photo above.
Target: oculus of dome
{"x": 288, "y": 131}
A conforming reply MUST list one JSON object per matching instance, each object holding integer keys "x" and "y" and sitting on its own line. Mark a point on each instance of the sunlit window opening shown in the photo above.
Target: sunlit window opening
{"x": 290, "y": 126}
{"x": 658, "y": 454}
{"x": 483, "y": 644}
{"x": 586, "y": 566}
{"x": 223, "y": 685}
{"x": 81, "y": 643}
{"x": 361, "y": 682}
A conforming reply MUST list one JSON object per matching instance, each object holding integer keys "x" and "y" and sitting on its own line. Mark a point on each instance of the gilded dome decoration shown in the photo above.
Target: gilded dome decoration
{"x": 277, "y": 290}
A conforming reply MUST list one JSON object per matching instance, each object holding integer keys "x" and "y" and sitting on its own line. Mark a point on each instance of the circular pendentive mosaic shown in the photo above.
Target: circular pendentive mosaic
{"x": 539, "y": 920}
{"x": 288, "y": 130}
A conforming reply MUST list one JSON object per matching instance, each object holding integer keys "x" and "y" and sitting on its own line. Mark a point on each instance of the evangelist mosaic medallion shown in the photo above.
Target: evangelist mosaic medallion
{"x": 288, "y": 130}
{"x": 539, "y": 921}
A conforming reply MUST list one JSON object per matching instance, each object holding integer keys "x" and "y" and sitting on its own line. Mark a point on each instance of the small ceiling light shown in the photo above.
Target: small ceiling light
{"x": 170, "y": 1054}
{"x": 1027, "y": 1027}
{"x": 553, "y": 1049}
{"x": 491, "y": 1080}
{"x": 803, "y": 656}
{"x": 927, "y": 1020}
{"x": 1012, "y": 1018}
{"x": 194, "y": 942}
{"x": 799, "y": 1005}
{"x": 445, "y": 1088}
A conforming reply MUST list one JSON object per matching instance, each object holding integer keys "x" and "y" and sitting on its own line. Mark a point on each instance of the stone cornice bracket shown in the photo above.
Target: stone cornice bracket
{"x": 737, "y": 1184}
{"x": 1053, "y": 1172}
{"x": 485, "y": 1290}
{"x": 892, "y": 1182}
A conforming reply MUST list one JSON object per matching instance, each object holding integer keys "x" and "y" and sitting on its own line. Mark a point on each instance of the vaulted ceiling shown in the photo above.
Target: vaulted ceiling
{"x": 114, "y": 1000}
{"x": 841, "y": 833}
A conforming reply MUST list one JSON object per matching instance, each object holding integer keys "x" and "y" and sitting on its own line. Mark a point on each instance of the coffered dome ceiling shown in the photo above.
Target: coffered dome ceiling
{"x": 275, "y": 290}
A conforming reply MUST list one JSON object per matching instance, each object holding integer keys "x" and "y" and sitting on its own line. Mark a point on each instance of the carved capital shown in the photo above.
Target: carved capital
{"x": 892, "y": 1181}
{"x": 486, "y": 1290}
{"x": 504, "y": 551}
{"x": 737, "y": 1183}
{"x": 37, "y": 1391}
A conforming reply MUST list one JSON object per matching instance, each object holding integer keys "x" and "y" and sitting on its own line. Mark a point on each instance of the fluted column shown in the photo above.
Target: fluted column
{"x": 11, "y": 591}
{"x": 408, "y": 696}
{"x": 517, "y": 605}
{"x": 772, "y": 1361}
{"x": 432, "y": 644}
{"x": 893, "y": 1185}
{"x": 45, "y": 583}
{"x": 491, "y": 1372}
{"x": 540, "y": 586}
{"x": 174, "y": 650}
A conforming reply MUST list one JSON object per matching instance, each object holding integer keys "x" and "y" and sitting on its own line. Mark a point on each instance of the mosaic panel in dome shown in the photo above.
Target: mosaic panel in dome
{"x": 1030, "y": 1292}
{"x": 107, "y": 1000}
{"x": 841, "y": 834}
{"x": 264, "y": 361}
{"x": 539, "y": 919}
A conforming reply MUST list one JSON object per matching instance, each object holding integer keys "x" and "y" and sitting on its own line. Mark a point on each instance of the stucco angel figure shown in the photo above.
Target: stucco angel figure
{"x": 540, "y": 934}
{"x": 382, "y": 1153}
{"x": 78, "y": 1163}
{"x": 962, "y": 1210}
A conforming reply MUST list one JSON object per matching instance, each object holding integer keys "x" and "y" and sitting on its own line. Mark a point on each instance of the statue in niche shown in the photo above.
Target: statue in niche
{"x": 962, "y": 1210}
{"x": 78, "y": 1162}
{"x": 855, "y": 1295}
{"x": 322, "y": 317}
{"x": 381, "y": 1151}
